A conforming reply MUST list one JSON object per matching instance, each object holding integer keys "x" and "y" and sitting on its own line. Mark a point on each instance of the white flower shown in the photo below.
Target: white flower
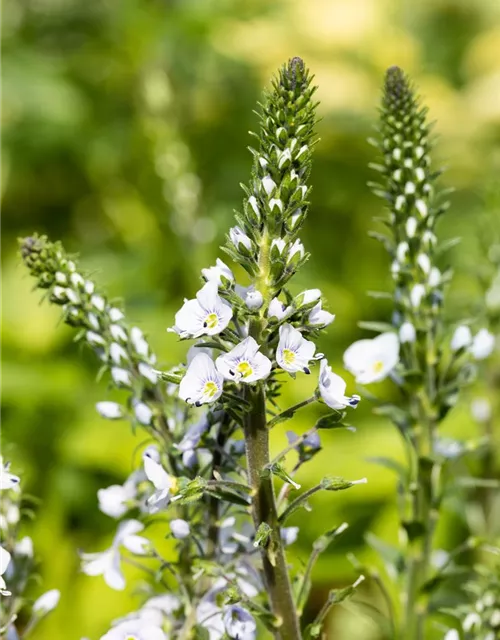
{"x": 107, "y": 563}
{"x": 7, "y": 480}
{"x": 135, "y": 630}
{"x": 121, "y": 376}
{"x": 244, "y": 363}
{"x": 289, "y": 535}
{"x": 416, "y": 294}
{"x": 372, "y": 360}
{"x": 89, "y": 286}
{"x": 162, "y": 482}
{"x": 297, "y": 247}
{"x": 47, "y": 602}
{"x": 207, "y": 314}
{"x": 61, "y": 278}
{"x": 252, "y": 201}
{"x": 24, "y": 547}
{"x": 254, "y": 299}
{"x": 462, "y": 338}
{"x": 238, "y": 236}
{"x": 209, "y": 616}
{"x": 480, "y": 409}
{"x": 402, "y": 251}
{"x": 115, "y": 500}
{"x": 407, "y": 333}
{"x": 215, "y": 274}
{"x": 421, "y": 207}
{"x": 482, "y": 345}
{"x": 148, "y": 372}
{"x": 118, "y": 333}
{"x": 180, "y": 528}
{"x": 268, "y": 184}
{"x": 411, "y": 226}
{"x": 202, "y": 382}
{"x": 294, "y": 352}
{"x": 94, "y": 322}
{"x": 98, "y": 302}
{"x": 280, "y": 244}
{"x": 452, "y": 634}
{"x": 239, "y": 624}
{"x": 115, "y": 314}
{"x": 319, "y": 317}
{"x": 4, "y": 563}
{"x": 94, "y": 338}
{"x": 332, "y": 389}
{"x": 276, "y": 202}
{"x": 59, "y": 293}
{"x": 117, "y": 353}
{"x": 143, "y": 413}
{"x": 277, "y": 309}
{"x": 76, "y": 280}
{"x": 308, "y": 296}
{"x": 109, "y": 410}
{"x": 434, "y": 278}
{"x": 424, "y": 262}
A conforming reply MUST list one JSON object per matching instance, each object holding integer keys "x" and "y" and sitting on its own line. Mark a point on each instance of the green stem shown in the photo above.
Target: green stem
{"x": 295, "y": 504}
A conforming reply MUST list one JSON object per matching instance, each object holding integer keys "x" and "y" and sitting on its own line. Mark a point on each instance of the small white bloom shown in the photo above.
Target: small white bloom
{"x": 407, "y": 333}
{"x": 59, "y": 293}
{"x": 139, "y": 342}
{"x": 93, "y": 321}
{"x": 117, "y": 353}
{"x": 297, "y": 247}
{"x": 142, "y": 413}
{"x": 402, "y": 251}
{"x": 239, "y": 624}
{"x": 480, "y": 409}
{"x": 252, "y": 201}
{"x": 137, "y": 629}
{"x": 244, "y": 363}
{"x": 4, "y": 563}
{"x": 254, "y": 299}
{"x": 215, "y": 274}
{"x": 308, "y": 296}
{"x": 13, "y": 514}
{"x": 332, "y": 389}
{"x": 109, "y": 410}
{"x": 94, "y": 338}
{"x": 107, "y": 563}
{"x": 416, "y": 294}
{"x": 276, "y": 202}
{"x": 294, "y": 352}
{"x": 420, "y": 174}
{"x": 263, "y": 162}
{"x": 76, "y": 280}
{"x": 162, "y": 482}
{"x": 289, "y": 535}
{"x": 482, "y": 345}
{"x": 115, "y": 500}
{"x": 421, "y": 207}
{"x": 121, "y": 376}
{"x": 277, "y": 309}
{"x": 202, "y": 382}
{"x": 24, "y": 547}
{"x": 372, "y": 360}
{"x": 115, "y": 314}
{"x": 7, "y": 480}
{"x": 280, "y": 244}
{"x": 399, "y": 202}
{"x": 268, "y": 184}
{"x": 72, "y": 296}
{"x": 206, "y": 314}
{"x": 471, "y": 622}
{"x": 285, "y": 155}
{"x": 180, "y": 528}
{"x": 319, "y": 317}
{"x": 148, "y": 372}
{"x": 452, "y": 634}
{"x": 462, "y": 338}
{"x": 89, "y": 287}
{"x": 410, "y": 188}
{"x": 61, "y": 278}
{"x": 294, "y": 219}
{"x": 411, "y": 227}
{"x": 118, "y": 333}
{"x": 424, "y": 262}
{"x": 434, "y": 278}
{"x": 98, "y": 302}
{"x": 48, "y": 601}
{"x": 238, "y": 236}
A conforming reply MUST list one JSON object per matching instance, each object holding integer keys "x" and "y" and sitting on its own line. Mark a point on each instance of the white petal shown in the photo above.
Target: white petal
{"x": 483, "y": 344}
{"x": 4, "y": 560}
{"x": 462, "y": 338}
{"x": 136, "y": 544}
{"x": 48, "y": 601}
{"x": 156, "y": 473}
{"x": 113, "y": 499}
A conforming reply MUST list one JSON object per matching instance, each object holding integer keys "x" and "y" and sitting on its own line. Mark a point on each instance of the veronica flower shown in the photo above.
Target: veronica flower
{"x": 7, "y": 480}
{"x": 462, "y": 338}
{"x": 482, "y": 345}
{"x": 254, "y": 299}
{"x": 277, "y": 309}
{"x": 116, "y": 499}
{"x": 319, "y": 317}
{"x": 244, "y": 363}
{"x": 297, "y": 247}
{"x": 180, "y": 528}
{"x": 202, "y": 382}
{"x": 4, "y": 563}
{"x": 239, "y": 623}
{"x": 289, "y": 535}
{"x": 372, "y": 360}
{"x": 407, "y": 333}
{"x": 332, "y": 389}
{"x": 107, "y": 563}
{"x": 135, "y": 630}
{"x": 215, "y": 274}
{"x": 139, "y": 342}
{"x": 162, "y": 481}
{"x": 294, "y": 352}
{"x": 238, "y": 236}
{"x": 47, "y": 602}
{"x": 206, "y": 314}
{"x": 308, "y": 296}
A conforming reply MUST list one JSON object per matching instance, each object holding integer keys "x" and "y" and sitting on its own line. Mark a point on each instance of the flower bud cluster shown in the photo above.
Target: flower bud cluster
{"x": 17, "y": 563}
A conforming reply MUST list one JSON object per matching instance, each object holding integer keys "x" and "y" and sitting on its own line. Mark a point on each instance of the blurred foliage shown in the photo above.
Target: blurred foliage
{"x": 125, "y": 132}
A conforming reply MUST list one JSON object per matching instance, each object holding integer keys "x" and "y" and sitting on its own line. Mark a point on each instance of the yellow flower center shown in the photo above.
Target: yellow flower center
{"x": 288, "y": 356}
{"x": 378, "y": 366}
{"x": 245, "y": 369}
{"x": 210, "y": 389}
{"x": 211, "y": 321}
{"x": 174, "y": 485}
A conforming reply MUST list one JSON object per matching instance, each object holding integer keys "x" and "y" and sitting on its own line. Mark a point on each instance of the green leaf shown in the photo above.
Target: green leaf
{"x": 331, "y": 421}
{"x": 379, "y": 327}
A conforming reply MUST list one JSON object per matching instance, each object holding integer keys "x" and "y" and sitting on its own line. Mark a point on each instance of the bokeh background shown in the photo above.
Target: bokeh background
{"x": 125, "y": 126}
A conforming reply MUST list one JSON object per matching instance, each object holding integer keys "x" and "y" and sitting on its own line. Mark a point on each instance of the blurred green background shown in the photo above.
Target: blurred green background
{"x": 125, "y": 126}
